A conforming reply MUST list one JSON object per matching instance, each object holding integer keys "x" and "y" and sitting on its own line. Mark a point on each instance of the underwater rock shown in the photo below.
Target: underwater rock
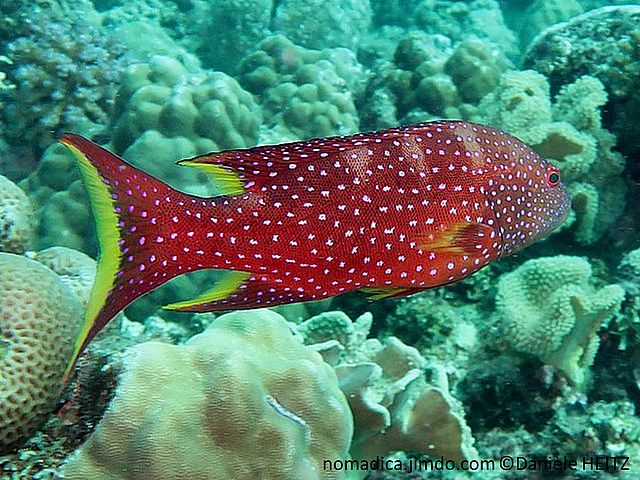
{"x": 549, "y": 307}
{"x": 243, "y": 399}
{"x": 16, "y": 218}
{"x": 39, "y": 317}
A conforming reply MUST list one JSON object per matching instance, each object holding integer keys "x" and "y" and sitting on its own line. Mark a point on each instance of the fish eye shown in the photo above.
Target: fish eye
{"x": 553, "y": 177}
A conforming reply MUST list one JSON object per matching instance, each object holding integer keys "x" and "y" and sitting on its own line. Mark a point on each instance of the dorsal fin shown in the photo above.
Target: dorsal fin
{"x": 258, "y": 165}
{"x": 241, "y": 290}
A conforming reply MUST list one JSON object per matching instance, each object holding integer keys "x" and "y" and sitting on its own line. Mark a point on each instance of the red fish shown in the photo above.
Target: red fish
{"x": 390, "y": 213}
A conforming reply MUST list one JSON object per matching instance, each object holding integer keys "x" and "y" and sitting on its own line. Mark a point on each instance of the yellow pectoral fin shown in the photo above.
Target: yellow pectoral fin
{"x": 227, "y": 180}
{"x": 228, "y": 284}
{"x": 460, "y": 238}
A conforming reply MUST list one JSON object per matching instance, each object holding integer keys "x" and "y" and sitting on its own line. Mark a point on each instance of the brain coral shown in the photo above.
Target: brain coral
{"x": 304, "y": 93}
{"x": 75, "y": 269}
{"x": 244, "y": 399}
{"x": 16, "y": 218}
{"x": 549, "y": 307}
{"x": 38, "y": 319}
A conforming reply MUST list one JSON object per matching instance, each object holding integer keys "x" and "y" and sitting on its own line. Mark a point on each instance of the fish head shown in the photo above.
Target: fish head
{"x": 526, "y": 194}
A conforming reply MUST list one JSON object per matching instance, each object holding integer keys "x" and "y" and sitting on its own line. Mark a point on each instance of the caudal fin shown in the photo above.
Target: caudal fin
{"x": 131, "y": 211}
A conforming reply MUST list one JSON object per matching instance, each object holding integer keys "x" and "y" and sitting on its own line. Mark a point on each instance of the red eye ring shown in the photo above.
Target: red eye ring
{"x": 553, "y": 177}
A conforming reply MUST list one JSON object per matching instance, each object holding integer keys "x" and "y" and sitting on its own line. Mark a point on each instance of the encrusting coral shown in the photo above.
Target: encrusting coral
{"x": 244, "y": 399}
{"x": 393, "y": 405}
{"x": 39, "y": 316}
{"x": 16, "y": 218}
{"x": 549, "y": 307}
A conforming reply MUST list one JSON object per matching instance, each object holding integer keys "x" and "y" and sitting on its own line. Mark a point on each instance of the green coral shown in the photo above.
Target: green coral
{"x": 549, "y": 307}
{"x": 164, "y": 109}
{"x": 303, "y": 93}
{"x": 568, "y": 132}
{"x": 244, "y": 399}
{"x": 429, "y": 77}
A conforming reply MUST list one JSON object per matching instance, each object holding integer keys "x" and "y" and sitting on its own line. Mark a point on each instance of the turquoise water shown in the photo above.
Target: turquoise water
{"x": 526, "y": 369}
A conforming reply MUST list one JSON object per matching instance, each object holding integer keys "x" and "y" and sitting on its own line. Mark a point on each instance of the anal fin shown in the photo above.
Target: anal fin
{"x": 379, "y": 293}
{"x": 243, "y": 290}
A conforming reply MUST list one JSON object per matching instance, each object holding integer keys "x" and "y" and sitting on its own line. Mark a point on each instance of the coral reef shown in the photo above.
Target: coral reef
{"x": 428, "y": 78}
{"x": 569, "y": 132}
{"x": 303, "y": 93}
{"x": 16, "y": 218}
{"x": 62, "y": 76}
{"x": 393, "y": 405}
{"x": 165, "y": 112}
{"x": 321, "y": 24}
{"x": 549, "y": 307}
{"x": 603, "y": 43}
{"x": 259, "y": 404}
{"x": 246, "y": 23}
{"x": 38, "y": 319}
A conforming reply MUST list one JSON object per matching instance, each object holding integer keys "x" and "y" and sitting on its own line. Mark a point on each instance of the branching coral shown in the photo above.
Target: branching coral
{"x": 549, "y": 307}
{"x": 244, "y": 399}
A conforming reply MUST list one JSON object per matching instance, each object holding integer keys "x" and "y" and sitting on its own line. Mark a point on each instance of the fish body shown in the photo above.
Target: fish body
{"x": 391, "y": 213}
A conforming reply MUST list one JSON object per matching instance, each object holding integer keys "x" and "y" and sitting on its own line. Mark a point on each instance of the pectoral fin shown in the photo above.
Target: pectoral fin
{"x": 460, "y": 238}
